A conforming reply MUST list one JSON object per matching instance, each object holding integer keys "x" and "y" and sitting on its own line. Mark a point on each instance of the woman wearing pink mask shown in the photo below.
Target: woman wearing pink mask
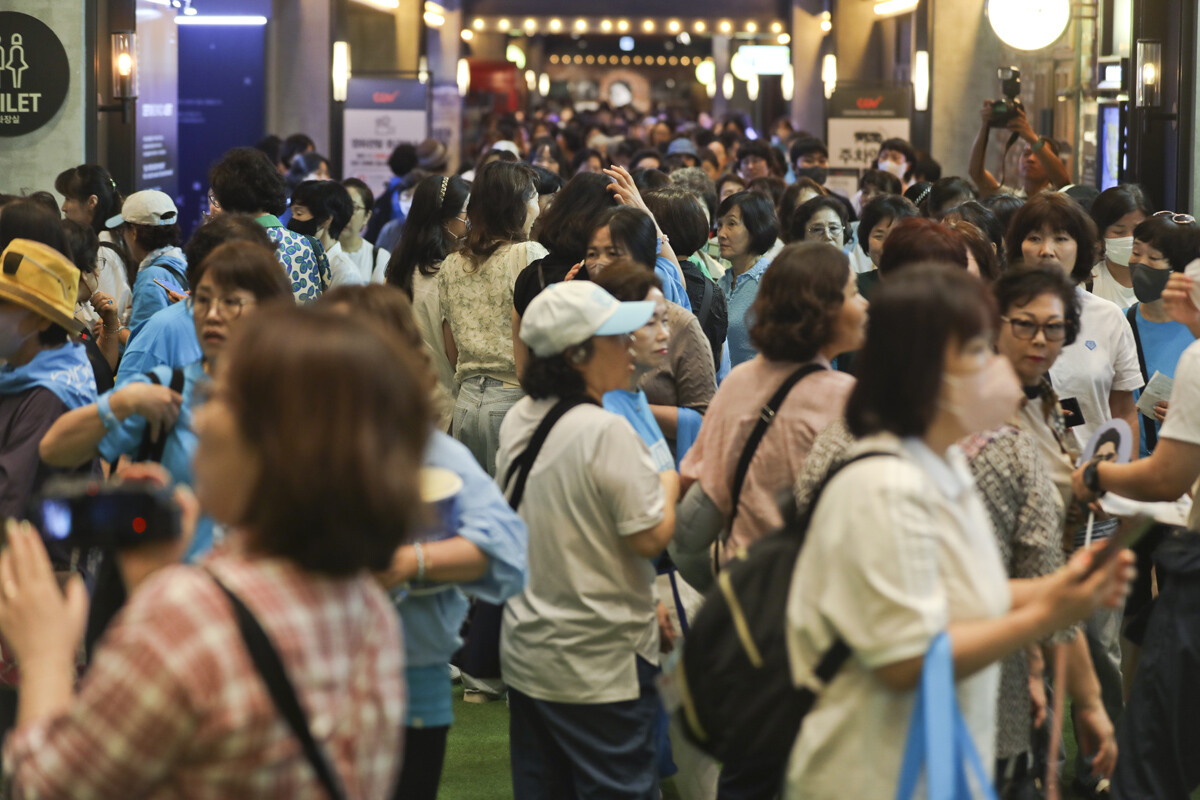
{"x": 900, "y": 547}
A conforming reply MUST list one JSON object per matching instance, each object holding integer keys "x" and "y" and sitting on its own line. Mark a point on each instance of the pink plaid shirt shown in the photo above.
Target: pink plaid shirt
{"x": 172, "y": 706}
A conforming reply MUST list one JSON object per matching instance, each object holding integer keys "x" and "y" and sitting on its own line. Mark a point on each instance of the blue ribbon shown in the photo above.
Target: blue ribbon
{"x": 938, "y": 739}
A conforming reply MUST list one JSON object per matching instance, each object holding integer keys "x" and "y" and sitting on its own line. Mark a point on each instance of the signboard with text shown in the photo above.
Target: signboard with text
{"x": 862, "y": 118}
{"x": 381, "y": 113}
{"x": 34, "y": 73}
{"x": 156, "y": 157}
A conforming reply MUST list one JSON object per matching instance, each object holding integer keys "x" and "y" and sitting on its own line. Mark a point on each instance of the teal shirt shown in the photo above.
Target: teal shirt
{"x": 739, "y": 298}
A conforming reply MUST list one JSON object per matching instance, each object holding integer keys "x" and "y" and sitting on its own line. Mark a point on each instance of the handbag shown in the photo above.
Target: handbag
{"x": 939, "y": 743}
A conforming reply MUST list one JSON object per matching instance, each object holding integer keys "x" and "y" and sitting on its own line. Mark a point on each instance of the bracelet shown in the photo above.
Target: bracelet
{"x": 107, "y": 417}
{"x": 1091, "y": 478}
{"x": 420, "y": 553}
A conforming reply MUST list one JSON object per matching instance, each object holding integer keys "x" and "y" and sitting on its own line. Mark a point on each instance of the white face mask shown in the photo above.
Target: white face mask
{"x": 896, "y": 169}
{"x": 985, "y": 399}
{"x": 91, "y": 281}
{"x": 1119, "y": 250}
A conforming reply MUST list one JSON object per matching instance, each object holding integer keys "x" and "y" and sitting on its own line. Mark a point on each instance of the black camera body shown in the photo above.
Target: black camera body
{"x": 84, "y": 513}
{"x": 1006, "y": 108}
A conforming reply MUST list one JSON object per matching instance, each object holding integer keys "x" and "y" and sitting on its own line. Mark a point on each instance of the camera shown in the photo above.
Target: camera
{"x": 84, "y": 513}
{"x": 1007, "y": 107}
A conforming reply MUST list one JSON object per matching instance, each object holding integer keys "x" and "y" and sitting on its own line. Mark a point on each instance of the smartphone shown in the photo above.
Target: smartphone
{"x": 1072, "y": 414}
{"x": 84, "y": 513}
{"x": 170, "y": 288}
{"x": 1130, "y": 533}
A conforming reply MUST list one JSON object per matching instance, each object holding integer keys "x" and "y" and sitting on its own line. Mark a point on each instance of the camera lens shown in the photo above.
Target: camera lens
{"x": 56, "y": 519}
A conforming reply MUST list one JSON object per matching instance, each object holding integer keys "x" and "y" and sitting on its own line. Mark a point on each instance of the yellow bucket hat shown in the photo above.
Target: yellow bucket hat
{"x": 38, "y": 277}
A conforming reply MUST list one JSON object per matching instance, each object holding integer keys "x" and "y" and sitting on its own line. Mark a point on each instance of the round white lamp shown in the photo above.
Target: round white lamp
{"x": 1029, "y": 24}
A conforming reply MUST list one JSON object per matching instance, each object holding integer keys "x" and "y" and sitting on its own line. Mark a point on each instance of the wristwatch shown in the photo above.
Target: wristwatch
{"x": 1038, "y": 145}
{"x": 1091, "y": 477}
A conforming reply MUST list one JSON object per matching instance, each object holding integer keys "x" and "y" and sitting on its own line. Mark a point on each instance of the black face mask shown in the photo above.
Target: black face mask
{"x": 304, "y": 227}
{"x": 818, "y": 174}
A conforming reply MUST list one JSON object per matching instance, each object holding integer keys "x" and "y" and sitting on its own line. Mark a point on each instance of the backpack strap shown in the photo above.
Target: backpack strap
{"x": 522, "y": 465}
{"x": 154, "y": 450}
{"x": 706, "y": 301}
{"x": 765, "y": 417}
{"x": 1149, "y": 425}
{"x": 837, "y": 654}
{"x": 270, "y": 667}
{"x": 179, "y": 276}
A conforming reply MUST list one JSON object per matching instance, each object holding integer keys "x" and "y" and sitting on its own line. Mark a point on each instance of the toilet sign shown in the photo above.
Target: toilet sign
{"x": 34, "y": 73}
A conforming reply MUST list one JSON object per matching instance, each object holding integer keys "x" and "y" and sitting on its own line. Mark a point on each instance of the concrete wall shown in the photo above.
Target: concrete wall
{"x": 32, "y": 161}
{"x": 299, "y": 69}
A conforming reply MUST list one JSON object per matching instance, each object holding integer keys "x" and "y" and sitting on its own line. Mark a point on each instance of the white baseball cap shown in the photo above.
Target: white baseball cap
{"x": 569, "y": 313}
{"x": 148, "y": 207}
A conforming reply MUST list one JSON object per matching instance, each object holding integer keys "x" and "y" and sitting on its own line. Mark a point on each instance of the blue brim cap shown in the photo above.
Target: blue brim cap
{"x": 629, "y": 317}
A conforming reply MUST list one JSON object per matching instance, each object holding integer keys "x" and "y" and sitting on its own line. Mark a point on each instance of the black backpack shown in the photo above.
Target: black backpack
{"x": 709, "y": 306}
{"x": 737, "y": 700}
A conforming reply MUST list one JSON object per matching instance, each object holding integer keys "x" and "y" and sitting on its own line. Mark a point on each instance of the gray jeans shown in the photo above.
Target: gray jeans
{"x": 480, "y": 408}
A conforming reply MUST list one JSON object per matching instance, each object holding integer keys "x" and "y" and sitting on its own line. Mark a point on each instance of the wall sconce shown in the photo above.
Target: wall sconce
{"x": 752, "y": 88}
{"x": 787, "y": 84}
{"x": 544, "y": 84}
{"x": 435, "y": 14}
{"x": 124, "y": 73}
{"x": 920, "y": 80}
{"x": 463, "y": 77}
{"x": 531, "y": 80}
{"x": 341, "y": 70}
{"x": 727, "y": 86}
{"x": 829, "y": 74}
{"x": 1148, "y": 89}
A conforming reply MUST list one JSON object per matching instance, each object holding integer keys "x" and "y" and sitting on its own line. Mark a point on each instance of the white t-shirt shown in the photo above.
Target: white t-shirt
{"x": 371, "y": 271}
{"x": 1102, "y": 360}
{"x": 588, "y": 608}
{"x": 1106, "y": 286}
{"x": 342, "y": 270}
{"x": 1183, "y": 413}
{"x": 112, "y": 279}
{"x": 887, "y": 570}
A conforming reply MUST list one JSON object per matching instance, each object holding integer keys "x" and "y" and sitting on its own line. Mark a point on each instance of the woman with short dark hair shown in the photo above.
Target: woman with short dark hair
{"x": 905, "y": 504}
{"x": 821, "y": 219}
{"x": 157, "y": 407}
{"x": 1101, "y": 369}
{"x": 597, "y": 512}
{"x": 876, "y": 221}
{"x": 183, "y": 706}
{"x": 1116, "y": 212}
{"x": 746, "y": 232}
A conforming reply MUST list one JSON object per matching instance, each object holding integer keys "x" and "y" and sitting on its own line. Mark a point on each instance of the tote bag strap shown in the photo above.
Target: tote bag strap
{"x": 939, "y": 742}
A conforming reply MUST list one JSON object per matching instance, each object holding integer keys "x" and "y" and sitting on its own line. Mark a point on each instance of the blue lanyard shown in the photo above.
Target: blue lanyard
{"x": 938, "y": 739}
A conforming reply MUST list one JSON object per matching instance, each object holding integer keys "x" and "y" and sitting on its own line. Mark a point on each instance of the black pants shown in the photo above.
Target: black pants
{"x": 750, "y": 782}
{"x": 424, "y": 753}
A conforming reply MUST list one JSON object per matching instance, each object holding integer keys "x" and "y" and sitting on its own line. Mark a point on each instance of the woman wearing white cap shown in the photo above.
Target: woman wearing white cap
{"x": 580, "y": 644}
{"x": 152, "y": 236}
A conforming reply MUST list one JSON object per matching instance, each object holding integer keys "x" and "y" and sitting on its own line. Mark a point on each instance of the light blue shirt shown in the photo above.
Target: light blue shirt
{"x": 167, "y": 339}
{"x": 673, "y": 288}
{"x": 432, "y": 621}
{"x": 166, "y": 265}
{"x": 126, "y": 440}
{"x": 739, "y": 298}
{"x": 1163, "y": 344}
{"x": 634, "y": 407}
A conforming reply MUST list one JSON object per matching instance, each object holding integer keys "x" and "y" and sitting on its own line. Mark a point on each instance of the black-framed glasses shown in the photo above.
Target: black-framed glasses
{"x": 1178, "y": 219}
{"x": 1028, "y": 329}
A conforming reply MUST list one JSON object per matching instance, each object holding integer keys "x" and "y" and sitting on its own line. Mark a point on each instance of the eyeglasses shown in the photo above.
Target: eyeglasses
{"x": 231, "y": 307}
{"x": 360, "y": 208}
{"x": 212, "y": 200}
{"x": 1178, "y": 219}
{"x": 1028, "y": 329}
{"x": 822, "y": 230}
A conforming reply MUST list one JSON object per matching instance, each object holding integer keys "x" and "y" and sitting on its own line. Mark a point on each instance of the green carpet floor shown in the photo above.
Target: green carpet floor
{"x": 477, "y": 754}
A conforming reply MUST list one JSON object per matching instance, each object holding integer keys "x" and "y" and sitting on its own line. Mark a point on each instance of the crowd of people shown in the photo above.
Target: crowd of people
{"x": 511, "y": 426}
